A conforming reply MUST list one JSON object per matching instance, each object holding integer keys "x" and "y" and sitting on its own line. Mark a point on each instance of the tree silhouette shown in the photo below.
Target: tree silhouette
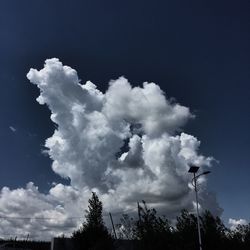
{"x": 186, "y": 236}
{"x": 153, "y": 231}
{"x": 93, "y": 234}
{"x": 213, "y": 232}
{"x": 127, "y": 228}
{"x": 239, "y": 238}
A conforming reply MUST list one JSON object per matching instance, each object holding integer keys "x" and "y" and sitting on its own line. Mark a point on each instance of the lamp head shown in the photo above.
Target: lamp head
{"x": 206, "y": 172}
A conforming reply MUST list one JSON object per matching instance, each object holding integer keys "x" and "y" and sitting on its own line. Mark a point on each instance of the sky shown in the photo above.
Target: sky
{"x": 145, "y": 82}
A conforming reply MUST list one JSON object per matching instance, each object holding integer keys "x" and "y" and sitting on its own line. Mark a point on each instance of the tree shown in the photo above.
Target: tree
{"x": 213, "y": 232}
{"x": 154, "y": 232}
{"x": 127, "y": 228}
{"x": 93, "y": 234}
{"x": 186, "y": 231}
{"x": 239, "y": 238}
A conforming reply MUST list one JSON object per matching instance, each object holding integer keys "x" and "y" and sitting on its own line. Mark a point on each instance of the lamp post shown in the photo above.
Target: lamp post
{"x": 193, "y": 170}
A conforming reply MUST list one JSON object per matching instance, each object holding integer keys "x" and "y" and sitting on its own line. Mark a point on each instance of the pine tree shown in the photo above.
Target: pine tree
{"x": 93, "y": 233}
{"x": 94, "y": 213}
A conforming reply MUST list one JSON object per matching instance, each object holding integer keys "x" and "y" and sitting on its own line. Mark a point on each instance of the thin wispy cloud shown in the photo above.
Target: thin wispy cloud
{"x": 13, "y": 129}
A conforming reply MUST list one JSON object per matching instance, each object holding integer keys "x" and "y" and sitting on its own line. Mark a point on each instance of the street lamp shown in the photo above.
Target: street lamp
{"x": 194, "y": 170}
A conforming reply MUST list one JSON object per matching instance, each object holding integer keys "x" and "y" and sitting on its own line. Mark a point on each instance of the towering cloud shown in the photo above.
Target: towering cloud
{"x": 125, "y": 144}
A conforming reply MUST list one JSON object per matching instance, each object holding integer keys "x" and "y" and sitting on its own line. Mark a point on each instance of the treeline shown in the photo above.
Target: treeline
{"x": 152, "y": 232}
{"x": 26, "y": 244}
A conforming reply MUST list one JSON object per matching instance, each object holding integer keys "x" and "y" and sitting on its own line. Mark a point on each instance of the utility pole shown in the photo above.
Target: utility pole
{"x": 139, "y": 212}
{"x": 197, "y": 210}
{"x": 113, "y": 225}
{"x": 193, "y": 170}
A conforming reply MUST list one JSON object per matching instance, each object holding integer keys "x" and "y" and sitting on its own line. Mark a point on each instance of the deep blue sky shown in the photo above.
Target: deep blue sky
{"x": 197, "y": 51}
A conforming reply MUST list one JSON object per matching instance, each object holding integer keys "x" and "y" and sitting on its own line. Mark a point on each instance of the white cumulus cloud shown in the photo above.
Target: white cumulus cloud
{"x": 233, "y": 223}
{"x": 27, "y": 211}
{"x": 126, "y": 144}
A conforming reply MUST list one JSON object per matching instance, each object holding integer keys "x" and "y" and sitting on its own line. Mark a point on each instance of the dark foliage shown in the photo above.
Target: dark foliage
{"x": 185, "y": 233}
{"x": 154, "y": 232}
{"x": 33, "y": 245}
{"x": 127, "y": 228}
{"x": 240, "y": 238}
{"x": 93, "y": 234}
{"x": 150, "y": 231}
{"x": 213, "y": 232}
